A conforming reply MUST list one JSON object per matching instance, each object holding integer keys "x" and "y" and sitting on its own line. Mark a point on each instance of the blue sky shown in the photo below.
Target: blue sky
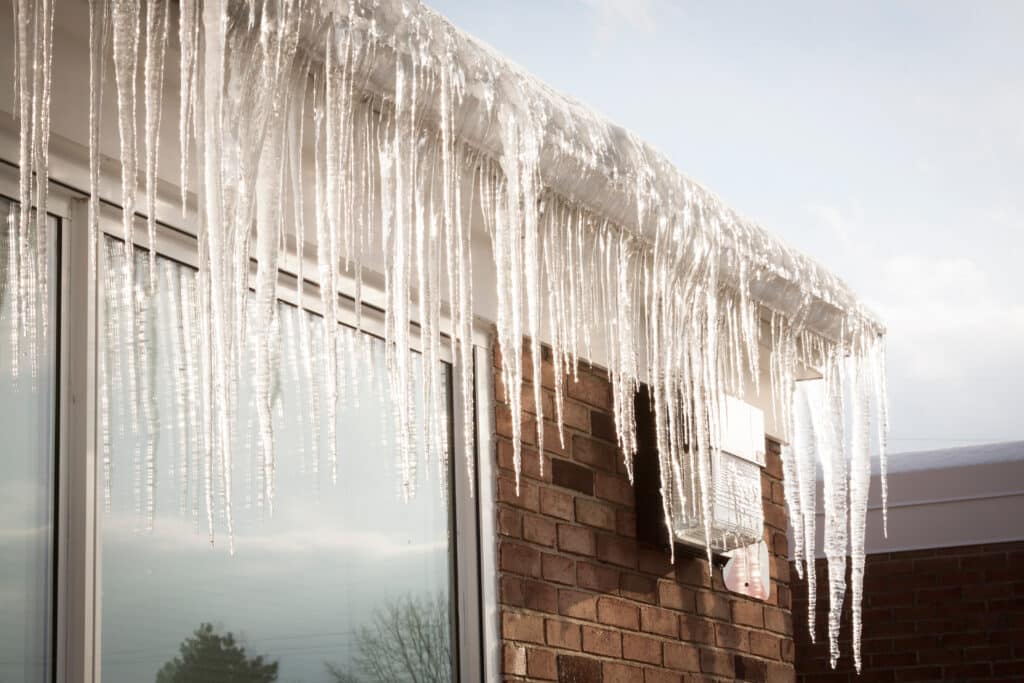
{"x": 886, "y": 139}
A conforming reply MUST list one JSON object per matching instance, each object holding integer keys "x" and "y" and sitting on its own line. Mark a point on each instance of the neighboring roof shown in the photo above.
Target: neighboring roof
{"x": 949, "y": 498}
{"x": 963, "y": 456}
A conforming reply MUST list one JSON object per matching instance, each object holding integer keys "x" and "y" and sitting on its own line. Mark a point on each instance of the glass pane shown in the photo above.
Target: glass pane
{"x": 27, "y": 422}
{"x": 319, "y": 586}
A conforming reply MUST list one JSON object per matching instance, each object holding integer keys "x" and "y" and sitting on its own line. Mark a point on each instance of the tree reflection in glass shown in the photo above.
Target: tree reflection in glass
{"x": 304, "y": 581}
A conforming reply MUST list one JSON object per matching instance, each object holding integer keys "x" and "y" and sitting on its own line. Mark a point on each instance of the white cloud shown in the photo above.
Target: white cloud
{"x": 947, "y": 319}
{"x": 174, "y": 535}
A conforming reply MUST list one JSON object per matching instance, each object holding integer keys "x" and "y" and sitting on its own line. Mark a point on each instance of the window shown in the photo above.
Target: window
{"x": 28, "y": 395}
{"x": 338, "y": 583}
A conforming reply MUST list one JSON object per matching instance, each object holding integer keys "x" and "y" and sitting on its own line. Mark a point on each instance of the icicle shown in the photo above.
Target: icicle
{"x": 804, "y": 445}
{"x": 43, "y": 71}
{"x": 860, "y": 483}
{"x": 144, "y": 321}
{"x": 214, "y": 28}
{"x": 99, "y": 26}
{"x": 156, "y": 44}
{"x": 791, "y": 490}
{"x": 25, "y": 45}
{"x": 876, "y": 357}
{"x": 188, "y": 41}
{"x": 125, "y": 17}
{"x": 189, "y": 307}
{"x": 827, "y": 414}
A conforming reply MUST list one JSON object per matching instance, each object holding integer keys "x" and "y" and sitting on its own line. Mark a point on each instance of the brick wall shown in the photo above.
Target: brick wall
{"x": 583, "y": 601}
{"x": 947, "y": 614}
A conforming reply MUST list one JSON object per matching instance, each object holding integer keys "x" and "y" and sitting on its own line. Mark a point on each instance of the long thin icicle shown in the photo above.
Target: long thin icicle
{"x": 153, "y": 85}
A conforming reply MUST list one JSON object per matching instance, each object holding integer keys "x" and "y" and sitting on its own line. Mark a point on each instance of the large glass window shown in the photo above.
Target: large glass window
{"x": 338, "y": 583}
{"x": 27, "y": 427}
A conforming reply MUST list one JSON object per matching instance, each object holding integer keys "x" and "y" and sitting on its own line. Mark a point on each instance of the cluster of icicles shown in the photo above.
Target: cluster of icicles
{"x": 418, "y": 133}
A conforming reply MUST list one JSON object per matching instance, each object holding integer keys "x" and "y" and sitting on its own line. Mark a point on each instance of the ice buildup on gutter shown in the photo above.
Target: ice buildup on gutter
{"x": 597, "y": 241}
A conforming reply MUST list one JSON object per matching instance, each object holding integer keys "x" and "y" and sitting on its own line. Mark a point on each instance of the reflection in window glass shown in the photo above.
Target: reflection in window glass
{"x": 27, "y": 421}
{"x": 337, "y": 583}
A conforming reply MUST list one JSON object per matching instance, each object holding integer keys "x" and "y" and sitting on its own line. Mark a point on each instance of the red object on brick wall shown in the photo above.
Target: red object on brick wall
{"x": 945, "y": 614}
{"x": 583, "y": 601}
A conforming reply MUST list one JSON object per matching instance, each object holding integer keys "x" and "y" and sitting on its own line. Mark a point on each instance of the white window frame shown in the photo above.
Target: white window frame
{"x": 77, "y": 651}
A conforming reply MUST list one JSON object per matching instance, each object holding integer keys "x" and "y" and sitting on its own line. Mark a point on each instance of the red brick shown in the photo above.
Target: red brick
{"x": 574, "y": 539}
{"x": 591, "y": 389}
{"x": 528, "y": 493}
{"x": 731, "y": 637}
{"x": 539, "y": 530}
{"x": 503, "y": 424}
{"x": 748, "y": 613}
{"x": 597, "y": 577}
{"x": 520, "y": 559}
{"x": 638, "y": 587}
{"x": 510, "y": 522}
{"x": 556, "y": 503}
{"x": 527, "y": 628}
{"x": 661, "y": 676}
{"x": 530, "y": 465}
{"x": 696, "y": 629}
{"x": 602, "y": 425}
{"x": 558, "y": 569}
{"x": 780, "y": 544}
{"x": 562, "y": 634}
{"x": 654, "y": 561}
{"x": 512, "y": 591}
{"x": 540, "y": 596}
{"x": 615, "y": 672}
{"x": 693, "y": 571}
{"x": 541, "y": 664}
{"x": 779, "y": 621}
{"x": 773, "y": 465}
{"x": 515, "y": 660}
{"x": 572, "y": 476}
{"x": 717, "y": 662}
{"x": 750, "y": 669}
{"x": 552, "y": 445}
{"x": 929, "y": 614}
{"x": 574, "y": 414}
{"x": 625, "y": 523}
{"x": 613, "y": 487}
{"x": 577, "y": 605}
{"x": 616, "y": 550}
{"x": 641, "y": 648}
{"x": 775, "y": 516}
{"x": 602, "y": 641}
{"x": 615, "y": 612}
{"x": 764, "y": 645}
{"x": 674, "y": 596}
{"x": 682, "y": 656}
{"x": 572, "y": 668}
{"x": 660, "y": 621}
{"x": 713, "y": 605}
{"x": 595, "y": 513}
{"x": 593, "y": 453}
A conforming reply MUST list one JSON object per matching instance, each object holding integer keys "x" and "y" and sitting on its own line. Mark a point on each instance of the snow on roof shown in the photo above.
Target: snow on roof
{"x": 590, "y": 160}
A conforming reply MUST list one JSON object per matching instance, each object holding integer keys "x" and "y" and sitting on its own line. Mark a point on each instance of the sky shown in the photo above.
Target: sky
{"x": 885, "y": 139}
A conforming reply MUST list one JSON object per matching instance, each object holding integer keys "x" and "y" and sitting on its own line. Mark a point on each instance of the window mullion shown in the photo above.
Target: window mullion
{"x": 76, "y": 601}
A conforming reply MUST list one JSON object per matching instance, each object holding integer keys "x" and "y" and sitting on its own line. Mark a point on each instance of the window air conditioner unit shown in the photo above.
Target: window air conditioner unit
{"x": 737, "y": 513}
